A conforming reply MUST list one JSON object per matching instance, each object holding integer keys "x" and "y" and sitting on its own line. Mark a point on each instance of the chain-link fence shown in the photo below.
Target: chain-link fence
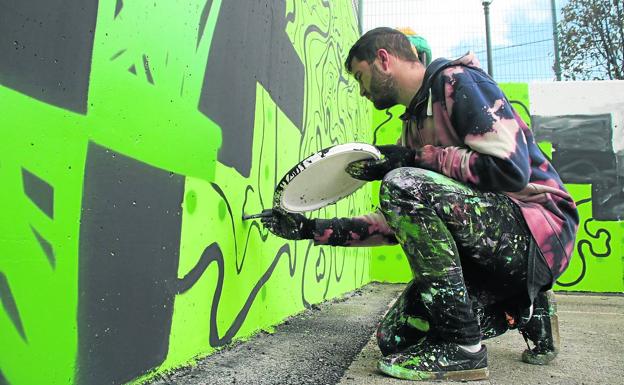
{"x": 521, "y": 32}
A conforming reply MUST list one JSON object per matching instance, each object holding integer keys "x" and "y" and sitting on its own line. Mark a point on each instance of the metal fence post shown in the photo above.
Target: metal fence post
{"x": 361, "y": 16}
{"x": 553, "y": 11}
{"x": 488, "y": 41}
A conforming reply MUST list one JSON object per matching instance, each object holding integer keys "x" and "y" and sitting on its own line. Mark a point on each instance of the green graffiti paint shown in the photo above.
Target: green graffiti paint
{"x": 222, "y": 210}
{"x": 267, "y": 172}
{"x": 190, "y": 201}
{"x": 151, "y": 115}
{"x": 418, "y": 323}
{"x": 415, "y": 361}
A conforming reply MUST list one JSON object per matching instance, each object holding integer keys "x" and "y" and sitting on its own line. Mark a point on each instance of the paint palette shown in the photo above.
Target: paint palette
{"x": 321, "y": 179}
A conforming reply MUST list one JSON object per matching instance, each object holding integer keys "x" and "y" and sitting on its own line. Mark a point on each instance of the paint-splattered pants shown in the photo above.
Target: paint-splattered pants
{"x": 468, "y": 251}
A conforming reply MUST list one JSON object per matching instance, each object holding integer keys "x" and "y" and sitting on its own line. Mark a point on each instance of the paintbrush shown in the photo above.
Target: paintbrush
{"x": 264, "y": 214}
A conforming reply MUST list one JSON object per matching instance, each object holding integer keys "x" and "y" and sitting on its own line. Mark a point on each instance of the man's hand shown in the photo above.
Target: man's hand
{"x": 289, "y": 225}
{"x": 394, "y": 156}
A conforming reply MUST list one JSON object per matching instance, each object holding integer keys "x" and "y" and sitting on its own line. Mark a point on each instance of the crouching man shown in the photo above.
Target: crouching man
{"x": 482, "y": 216}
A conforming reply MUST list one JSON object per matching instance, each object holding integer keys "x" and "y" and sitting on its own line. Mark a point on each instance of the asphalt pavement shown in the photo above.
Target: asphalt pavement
{"x": 332, "y": 343}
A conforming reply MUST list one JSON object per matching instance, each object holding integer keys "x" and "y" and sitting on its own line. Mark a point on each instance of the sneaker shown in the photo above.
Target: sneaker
{"x": 431, "y": 360}
{"x": 542, "y": 330}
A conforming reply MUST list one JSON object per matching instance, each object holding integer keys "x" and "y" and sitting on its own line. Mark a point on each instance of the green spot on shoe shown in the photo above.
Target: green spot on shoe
{"x": 414, "y": 361}
{"x": 418, "y": 323}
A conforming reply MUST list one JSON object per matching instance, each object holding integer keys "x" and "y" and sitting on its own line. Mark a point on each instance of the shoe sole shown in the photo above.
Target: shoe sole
{"x": 532, "y": 358}
{"x": 417, "y": 375}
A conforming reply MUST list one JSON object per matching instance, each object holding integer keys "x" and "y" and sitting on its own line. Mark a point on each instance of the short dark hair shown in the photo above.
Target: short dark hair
{"x": 394, "y": 41}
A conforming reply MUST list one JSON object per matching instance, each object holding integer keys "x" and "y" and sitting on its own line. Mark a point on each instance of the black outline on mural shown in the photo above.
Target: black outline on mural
{"x": 229, "y": 208}
{"x": 390, "y": 116}
{"x": 579, "y": 247}
{"x": 212, "y": 253}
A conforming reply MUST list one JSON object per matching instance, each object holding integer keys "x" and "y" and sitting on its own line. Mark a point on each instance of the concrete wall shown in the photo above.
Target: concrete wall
{"x": 135, "y": 135}
{"x": 580, "y": 125}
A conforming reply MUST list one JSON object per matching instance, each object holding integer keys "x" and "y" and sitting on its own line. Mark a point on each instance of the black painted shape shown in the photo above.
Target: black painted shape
{"x": 128, "y": 266}
{"x": 118, "y": 6}
{"x": 8, "y": 302}
{"x": 45, "y": 50}
{"x": 250, "y": 45}
{"x": 117, "y": 54}
{"x": 584, "y": 166}
{"x": 213, "y": 253}
{"x": 148, "y": 72}
{"x": 575, "y": 132}
{"x": 3, "y": 380}
{"x": 600, "y": 170}
{"x": 46, "y": 247}
{"x": 202, "y": 21}
{"x": 583, "y": 153}
{"x": 219, "y": 191}
{"x": 132, "y": 69}
{"x": 40, "y": 192}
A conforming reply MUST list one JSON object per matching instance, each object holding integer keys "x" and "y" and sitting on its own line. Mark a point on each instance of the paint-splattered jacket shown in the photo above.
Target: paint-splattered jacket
{"x": 469, "y": 132}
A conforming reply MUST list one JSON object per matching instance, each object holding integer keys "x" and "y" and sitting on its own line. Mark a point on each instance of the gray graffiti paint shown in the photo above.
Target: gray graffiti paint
{"x": 202, "y": 21}
{"x": 3, "y": 380}
{"x": 250, "y": 46}
{"x": 46, "y": 247}
{"x": 45, "y": 50}
{"x": 39, "y": 191}
{"x": 578, "y": 132}
{"x": 8, "y": 303}
{"x": 584, "y": 154}
{"x": 131, "y": 226}
{"x": 118, "y": 7}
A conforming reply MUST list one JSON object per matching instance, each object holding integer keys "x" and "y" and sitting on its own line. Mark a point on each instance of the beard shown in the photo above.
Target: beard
{"x": 383, "y": 92}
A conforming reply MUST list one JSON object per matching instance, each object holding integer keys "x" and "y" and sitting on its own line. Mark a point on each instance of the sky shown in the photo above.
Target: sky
{"x": 521, "y": 31}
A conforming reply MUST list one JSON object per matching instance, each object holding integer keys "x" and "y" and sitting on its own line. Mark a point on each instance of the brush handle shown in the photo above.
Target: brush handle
{"x": 263, "y": 214}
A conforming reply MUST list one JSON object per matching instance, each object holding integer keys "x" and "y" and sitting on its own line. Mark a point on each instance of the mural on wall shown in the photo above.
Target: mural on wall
{"x": 583, "y": 134}
{"x": 258, "y": 51}
{"x": 46, "y": 50}
{"x": 130, "y": 156}
{"x": 586, "y": 139}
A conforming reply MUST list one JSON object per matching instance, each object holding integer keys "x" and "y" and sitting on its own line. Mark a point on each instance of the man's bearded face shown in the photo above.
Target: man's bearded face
{"x": 383, "y": 92}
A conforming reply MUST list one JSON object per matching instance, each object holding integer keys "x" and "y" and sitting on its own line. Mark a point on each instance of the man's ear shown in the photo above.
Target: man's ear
{"x": 384, "y": 58}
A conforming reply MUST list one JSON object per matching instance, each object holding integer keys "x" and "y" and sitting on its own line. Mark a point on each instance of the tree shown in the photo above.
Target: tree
{"x": 591, "y": 40}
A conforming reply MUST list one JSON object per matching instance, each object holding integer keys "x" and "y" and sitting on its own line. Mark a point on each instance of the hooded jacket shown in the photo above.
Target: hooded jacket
{"x": 467, "y": 130}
